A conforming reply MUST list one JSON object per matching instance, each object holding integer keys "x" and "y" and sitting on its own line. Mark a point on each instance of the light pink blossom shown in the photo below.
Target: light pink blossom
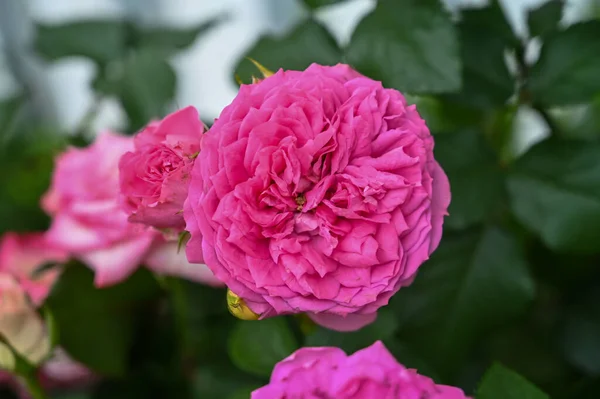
{"x": 21, "y": 256}
{"x": 88, "y": 221}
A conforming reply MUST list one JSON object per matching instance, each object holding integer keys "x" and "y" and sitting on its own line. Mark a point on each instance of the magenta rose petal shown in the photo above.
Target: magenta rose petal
{"x": 316, "y": 192}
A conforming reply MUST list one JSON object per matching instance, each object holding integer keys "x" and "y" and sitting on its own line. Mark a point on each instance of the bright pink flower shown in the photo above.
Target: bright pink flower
{"x": 327, "y": 373}
{"x": 87, "y": 218}
{"x": 317, "y": 192}
{"x": 21, "y": 255}
{"x": 154, "y": 177}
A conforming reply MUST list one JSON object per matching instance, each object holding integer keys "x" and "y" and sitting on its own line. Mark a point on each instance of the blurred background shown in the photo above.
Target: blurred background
{"x": 62, "y": 90}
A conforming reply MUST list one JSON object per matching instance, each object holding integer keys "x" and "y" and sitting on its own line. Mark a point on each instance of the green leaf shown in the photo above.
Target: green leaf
{"x": 502, "y": 383}
{"x": 172, "y": 39}
{"x": 485, "y": 36}
{"x": 567, "y": 70}
{"x": 555, "y": 192}
{"x": 96, "y": 326}
{"x": 314, "y": 4}
{"x": 145, "y": 86}
{"x": 256, "y": 346}
{"x": 580, "y": 343}
{"x": 410, "y": 45}
{"x": 476, "y": 179}
{"x": 102, "y": 41}
{"x": 383, "y": 328}
{"x": 472, "y": 283}
{"x": 308, "y": 43}
{"x": 29, "y": 155}
{"x": 545, "y": 18}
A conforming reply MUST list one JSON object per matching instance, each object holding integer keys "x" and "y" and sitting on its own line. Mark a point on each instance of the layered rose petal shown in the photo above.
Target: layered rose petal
{"x": 316, "y": 192}
{"x": 154, "y": 176}
{"x": 327, "y": 373}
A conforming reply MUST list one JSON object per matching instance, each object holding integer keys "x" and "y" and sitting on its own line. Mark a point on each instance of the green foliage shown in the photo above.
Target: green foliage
{"x": 554, "y": 191}
{"x": 567, "y": 71}
{"x": 385, "y": 47}
{"x": 97, "y": 326}
{"x": 132, "y": 61}
{"x": 256, "y": 347}
{"x": 545, "y": 19}
{"x": 482, "y": 281}
{"x": 502, "y": 383}
{"x": 309, "y": 42}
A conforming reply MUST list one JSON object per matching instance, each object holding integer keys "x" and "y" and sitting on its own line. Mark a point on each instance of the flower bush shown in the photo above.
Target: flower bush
{"x": 365, "y": 219}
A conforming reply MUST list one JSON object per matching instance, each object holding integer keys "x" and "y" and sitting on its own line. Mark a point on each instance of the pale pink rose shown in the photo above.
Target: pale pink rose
{"x": 316, "y": 192}
{"x": 154, "y": 177}
{"x": 327, "y": 373}
{"x": 165, "y": 259}
{"x": 88, "y": 220}
{"x": 21, "y": 255}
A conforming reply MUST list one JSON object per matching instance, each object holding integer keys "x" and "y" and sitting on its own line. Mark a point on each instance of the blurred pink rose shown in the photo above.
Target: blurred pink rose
{"x": 369, "y": 373}
{"x": 87, "y": 218}
{"x": 165, "y": 259}
{"x": 154, "y": 177}
{"x": 89, "y": 222}
{"x": 316, "y": 192}
{"x": 21, "y": 255}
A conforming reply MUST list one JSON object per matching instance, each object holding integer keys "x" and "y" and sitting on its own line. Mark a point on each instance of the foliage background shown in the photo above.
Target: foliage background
{"x": 516, "y": 280}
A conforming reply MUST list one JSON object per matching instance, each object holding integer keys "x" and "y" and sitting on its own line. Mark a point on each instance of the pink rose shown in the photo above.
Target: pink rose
{"x": 154, "y": 177}
{"x": 328, "y": 373}
{"x": 22, "y": 255}
{"x": 87, "y": 218}
{"x": 316, "y": 192}
{"x": 89, "y": 222}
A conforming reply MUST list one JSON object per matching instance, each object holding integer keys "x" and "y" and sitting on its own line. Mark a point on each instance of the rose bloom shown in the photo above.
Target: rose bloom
{"x": 327, "y": 373}
{"x": 154, "y": 177}
{"x": 21, "y": 256}
{"x": 316, "y": 192}
{"x": 90, "y": 224}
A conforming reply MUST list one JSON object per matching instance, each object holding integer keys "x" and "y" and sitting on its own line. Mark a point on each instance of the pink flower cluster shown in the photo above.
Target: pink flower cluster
{"x": 328, "y": 373}
{"x": 317, "y": 192}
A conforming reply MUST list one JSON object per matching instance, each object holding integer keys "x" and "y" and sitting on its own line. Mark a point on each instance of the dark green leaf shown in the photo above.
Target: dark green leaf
{"x": 256, "y": 346}
{"x": 383, "y": 328}
{"x": 555, "y": 192}
{"x": 502, "y": 383}
{"x": 145, "y": 85}
{"x": 172, "y": 39}
{"x": 96, "y": 326}
{"x": 314, "y": 4}
{"x": 545, "y": 18}
{"x": 476, "y": 179}
{"x": 409, "y": 45}
{"x": 309, "y": 42}
{"x": 567, "y": 70}
{"x": 29, "y": 155}
{"x": 485, "y": 36}
{"x": 472, "y": 283}
{"x": 581, "y": 331}
{"x": 102, "y": 41}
